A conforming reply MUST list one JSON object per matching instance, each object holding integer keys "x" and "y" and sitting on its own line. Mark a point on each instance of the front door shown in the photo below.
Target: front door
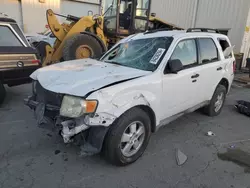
{"x": 179, "y": 90}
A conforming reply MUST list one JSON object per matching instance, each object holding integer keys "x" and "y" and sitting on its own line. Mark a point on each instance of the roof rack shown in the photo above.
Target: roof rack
{"x": 160, "y": 29}
{"x": 209, "y": 30}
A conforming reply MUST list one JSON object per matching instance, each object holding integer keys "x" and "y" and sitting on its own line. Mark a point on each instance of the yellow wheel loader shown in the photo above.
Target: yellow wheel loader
{"x": 91, "y": 36}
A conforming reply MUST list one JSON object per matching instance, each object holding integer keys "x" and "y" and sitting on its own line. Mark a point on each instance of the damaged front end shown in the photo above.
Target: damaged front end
{"x": 54, "y": 111}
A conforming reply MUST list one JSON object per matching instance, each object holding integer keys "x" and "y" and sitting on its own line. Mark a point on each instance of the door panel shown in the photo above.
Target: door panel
{"x": 211, "y": 69}
{"x": 208, "y": 80}
{"x": 179, "y": 89}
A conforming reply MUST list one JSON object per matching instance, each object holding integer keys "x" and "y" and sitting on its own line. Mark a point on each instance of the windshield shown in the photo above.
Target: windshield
{"x": 109, "y": 8}
{"x": 144, "y": 54}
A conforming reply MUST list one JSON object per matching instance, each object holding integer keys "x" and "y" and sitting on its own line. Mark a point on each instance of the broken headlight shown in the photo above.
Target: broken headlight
{"x": 74, "y": 107}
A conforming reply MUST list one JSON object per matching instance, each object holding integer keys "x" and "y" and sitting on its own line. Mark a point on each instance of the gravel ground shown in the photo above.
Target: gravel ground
{"x": 33, "y": 157}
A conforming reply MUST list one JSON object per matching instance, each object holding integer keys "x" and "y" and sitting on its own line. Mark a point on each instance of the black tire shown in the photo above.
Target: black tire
{"x": 71, "y": 45}
{"x": 111, "y": 148}
{"x": 2, "y": 93}
{"x": 210, "y": 109}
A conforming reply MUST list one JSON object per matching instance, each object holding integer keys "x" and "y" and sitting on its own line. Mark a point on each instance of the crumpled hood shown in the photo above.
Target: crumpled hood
{"x": 79, "y": 77}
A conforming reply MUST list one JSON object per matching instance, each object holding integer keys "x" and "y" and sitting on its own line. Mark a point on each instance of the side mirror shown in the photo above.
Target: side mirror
{"x": 175, "y": 65}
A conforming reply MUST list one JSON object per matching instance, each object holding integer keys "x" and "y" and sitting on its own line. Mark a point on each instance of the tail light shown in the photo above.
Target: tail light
{"x": 35, "y": 61}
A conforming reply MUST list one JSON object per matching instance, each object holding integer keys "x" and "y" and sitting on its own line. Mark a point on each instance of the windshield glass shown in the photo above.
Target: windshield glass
{"x": 109, "y": 8}
{"x": 144, "y": 54}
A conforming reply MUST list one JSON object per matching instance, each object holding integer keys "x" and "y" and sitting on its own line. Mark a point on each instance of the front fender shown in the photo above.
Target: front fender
{"x": 111, "y": 107}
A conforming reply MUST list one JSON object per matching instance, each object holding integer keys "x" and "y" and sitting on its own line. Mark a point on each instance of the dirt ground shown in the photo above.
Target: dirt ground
{"x": 33, "y": 157}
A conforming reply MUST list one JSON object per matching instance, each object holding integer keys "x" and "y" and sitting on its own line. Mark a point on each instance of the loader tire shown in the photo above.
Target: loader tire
{"x": 91, "y": 47}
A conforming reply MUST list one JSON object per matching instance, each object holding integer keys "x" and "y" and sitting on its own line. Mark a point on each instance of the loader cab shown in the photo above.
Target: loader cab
{"x": 125, "y": 17}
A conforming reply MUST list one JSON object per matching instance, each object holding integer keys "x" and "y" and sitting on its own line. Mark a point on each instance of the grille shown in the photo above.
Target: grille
{"x": 48, "y": 97}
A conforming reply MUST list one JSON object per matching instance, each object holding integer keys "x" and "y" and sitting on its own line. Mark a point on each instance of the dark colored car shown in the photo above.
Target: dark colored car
{"x": 17, "y": 58}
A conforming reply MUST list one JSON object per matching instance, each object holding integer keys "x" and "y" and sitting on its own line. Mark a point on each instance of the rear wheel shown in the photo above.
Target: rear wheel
{"x": 128, "y": 137}
{"x": 215, "y": 106}
{"x": 82, "y": 46}
{"x": 2, "y": 93}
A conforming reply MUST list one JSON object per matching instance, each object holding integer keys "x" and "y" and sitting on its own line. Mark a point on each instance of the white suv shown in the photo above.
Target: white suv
{"x": 145, "y": 81}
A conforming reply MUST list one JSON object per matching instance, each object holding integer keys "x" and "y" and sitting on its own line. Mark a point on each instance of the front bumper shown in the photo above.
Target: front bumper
{"x": 47, "y": 116}
{"x": 46, "y": 106}
{"x": 71, "y": 130}
{"x": 33, "y": 104}
{"x": 44, "y": 113}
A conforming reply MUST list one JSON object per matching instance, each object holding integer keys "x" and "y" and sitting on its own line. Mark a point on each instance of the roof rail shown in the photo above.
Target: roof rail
{"x": 210, "y": 30}
{"x": 160, "y": 29}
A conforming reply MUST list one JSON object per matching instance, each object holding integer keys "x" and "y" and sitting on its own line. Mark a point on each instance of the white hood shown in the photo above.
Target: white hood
{"x": 79, "y": 77}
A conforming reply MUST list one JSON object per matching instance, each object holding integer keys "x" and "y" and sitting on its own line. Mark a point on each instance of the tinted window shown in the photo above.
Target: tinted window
{"x": 209, "y": 51}
{"x": 7, "y": 38}
{"x": 186, "y": 52}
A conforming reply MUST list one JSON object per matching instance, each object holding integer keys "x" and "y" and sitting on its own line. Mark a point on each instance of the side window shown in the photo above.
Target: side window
{"x": 209, "y": 52}
{"x": 186, "y": 52}
{"x": 7, "y": 37}
{"x": 224, "y": 45}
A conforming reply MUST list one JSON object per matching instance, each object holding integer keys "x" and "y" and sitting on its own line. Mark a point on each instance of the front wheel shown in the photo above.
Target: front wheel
{"x": 128, "y": 137}
{"x": 215, "y": 106}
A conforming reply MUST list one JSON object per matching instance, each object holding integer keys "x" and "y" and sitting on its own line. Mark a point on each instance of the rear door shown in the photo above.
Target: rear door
{"x": 210, "y": 68}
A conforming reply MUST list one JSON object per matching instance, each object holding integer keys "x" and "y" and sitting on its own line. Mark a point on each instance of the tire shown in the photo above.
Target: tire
{"x": 71, "y": 45}
{"x": 211, "y": 108}
{"x": 2, "y": 93}
{"x": 112, "y": 145}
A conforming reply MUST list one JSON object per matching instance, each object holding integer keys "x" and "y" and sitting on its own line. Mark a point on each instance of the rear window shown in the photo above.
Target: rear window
{"x": 209, "y": 52}
{"x": 224, "y": 45}
{"x": 7, "y": 37}
{"x": 20, "y": 33}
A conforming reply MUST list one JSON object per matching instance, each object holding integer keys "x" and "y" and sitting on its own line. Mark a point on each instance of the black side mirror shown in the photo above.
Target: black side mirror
{"x": 175, "y": 65}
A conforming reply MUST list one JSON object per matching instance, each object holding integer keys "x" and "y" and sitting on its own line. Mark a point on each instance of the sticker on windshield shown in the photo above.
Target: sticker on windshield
{"x": 157, "y": 55}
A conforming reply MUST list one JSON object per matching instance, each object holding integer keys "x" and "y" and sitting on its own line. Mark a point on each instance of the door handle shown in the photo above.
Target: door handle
{"x": 195, "y": 76}
{"x": 219, "y": 68}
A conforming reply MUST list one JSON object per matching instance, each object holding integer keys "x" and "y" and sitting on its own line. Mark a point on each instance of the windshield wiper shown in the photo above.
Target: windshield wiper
{"x": 113, "y": 62}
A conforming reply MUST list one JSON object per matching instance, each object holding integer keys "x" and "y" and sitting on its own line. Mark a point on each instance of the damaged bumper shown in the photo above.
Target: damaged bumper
{"x": 69, "y": 129}
{"x": 49, "y": 114}
{"x": 90, "y": 128}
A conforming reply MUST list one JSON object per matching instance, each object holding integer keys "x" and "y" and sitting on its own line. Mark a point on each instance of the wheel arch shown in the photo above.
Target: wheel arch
{"x": 151, "y": 115}
{"x": 225, "y": 83}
